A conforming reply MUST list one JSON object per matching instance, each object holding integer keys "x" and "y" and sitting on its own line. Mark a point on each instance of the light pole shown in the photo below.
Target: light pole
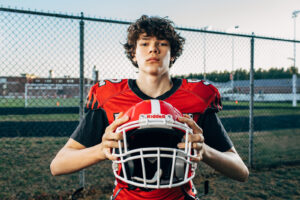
{"x": 294, "y": 15}
{"x": 232, "y": 59}
{"x": 204, "y": 51}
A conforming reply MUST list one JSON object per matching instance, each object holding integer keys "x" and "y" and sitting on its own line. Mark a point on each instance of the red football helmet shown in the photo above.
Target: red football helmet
{"x": 149, "y": 157}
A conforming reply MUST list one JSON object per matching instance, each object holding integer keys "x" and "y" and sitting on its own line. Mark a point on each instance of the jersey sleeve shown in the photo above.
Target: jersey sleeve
{"x": 214, "y": 132}
{"x": 215, "y": 103}
{"x": 203, "y": 93}
{"x": 102, "y": 91}
{"x": 90, "y": 130}
{"x": 92, "y": 103}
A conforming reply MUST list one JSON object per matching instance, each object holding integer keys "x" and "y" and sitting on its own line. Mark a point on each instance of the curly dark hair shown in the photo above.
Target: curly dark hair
{"x": 161, "y": 28}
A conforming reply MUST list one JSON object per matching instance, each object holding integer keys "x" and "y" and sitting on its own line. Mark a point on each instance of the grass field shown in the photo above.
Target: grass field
{"x": 40, "y": 102}
{"x": 265, "y": 109}
{"x": 25, "y": 174}
{"x": 52, "y": 102}
{"x": 75, "y": 117}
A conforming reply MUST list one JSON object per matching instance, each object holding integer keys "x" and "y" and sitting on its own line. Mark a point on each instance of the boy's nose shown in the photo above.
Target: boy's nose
{"x": 153, "y": 49}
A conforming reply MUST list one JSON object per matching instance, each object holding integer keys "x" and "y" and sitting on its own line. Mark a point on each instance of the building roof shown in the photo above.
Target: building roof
{"x": 260, "y": 83}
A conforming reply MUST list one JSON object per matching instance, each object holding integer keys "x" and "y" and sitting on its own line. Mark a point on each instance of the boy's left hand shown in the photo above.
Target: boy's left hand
{"x": 197, "y": 138}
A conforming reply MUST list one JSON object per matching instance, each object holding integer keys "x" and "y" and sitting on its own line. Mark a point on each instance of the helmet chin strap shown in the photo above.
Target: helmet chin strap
{"x": 153, "y": 180}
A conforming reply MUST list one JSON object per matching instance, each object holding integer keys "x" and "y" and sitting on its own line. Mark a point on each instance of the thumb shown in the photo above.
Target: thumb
{"x": 120, "y": 115}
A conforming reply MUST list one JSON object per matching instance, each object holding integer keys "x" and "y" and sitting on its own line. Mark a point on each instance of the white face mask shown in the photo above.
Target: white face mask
{"x": 150, "y": 157}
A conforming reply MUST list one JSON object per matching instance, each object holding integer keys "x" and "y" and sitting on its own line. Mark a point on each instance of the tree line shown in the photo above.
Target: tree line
{"x": 242, "y": 74}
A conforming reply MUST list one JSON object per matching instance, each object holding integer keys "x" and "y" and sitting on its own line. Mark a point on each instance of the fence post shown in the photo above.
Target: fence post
{"x": 294, "y": 85}
{"x": 26, "y": 95}
{"x": 251, "y": 103}
{"x": 294, "y": 79}
{"x": 81, "y": 86}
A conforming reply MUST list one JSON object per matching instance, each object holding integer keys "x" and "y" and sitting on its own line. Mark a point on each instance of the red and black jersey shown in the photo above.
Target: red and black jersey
{"x": 108, "y": 98}
{"x": 188, "y": 96}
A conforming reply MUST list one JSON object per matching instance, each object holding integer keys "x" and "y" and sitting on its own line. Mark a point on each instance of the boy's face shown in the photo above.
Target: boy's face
{"x": 152, "y": 55}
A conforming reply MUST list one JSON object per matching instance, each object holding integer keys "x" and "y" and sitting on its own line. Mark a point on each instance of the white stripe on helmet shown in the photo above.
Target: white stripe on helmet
{"x": 155, "y": 106}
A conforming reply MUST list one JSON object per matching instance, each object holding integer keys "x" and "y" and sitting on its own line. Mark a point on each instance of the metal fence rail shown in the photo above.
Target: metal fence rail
{"x": 49, "y": 61}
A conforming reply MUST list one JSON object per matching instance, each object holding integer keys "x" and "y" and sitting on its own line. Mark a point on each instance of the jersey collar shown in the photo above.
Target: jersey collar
{"x": 133, "y": 86}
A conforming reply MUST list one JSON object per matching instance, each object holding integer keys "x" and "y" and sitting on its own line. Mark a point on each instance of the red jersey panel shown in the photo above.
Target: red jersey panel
{"x": 195, "y": 96}
{"x": 115, "y": 96}
{"x": 159, "y": 194}
{"x": 191, "y": 97}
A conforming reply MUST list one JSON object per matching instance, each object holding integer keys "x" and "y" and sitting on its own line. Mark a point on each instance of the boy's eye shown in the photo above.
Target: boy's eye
{"x": 143, "y": 44}
{"x": 164, "y": 44}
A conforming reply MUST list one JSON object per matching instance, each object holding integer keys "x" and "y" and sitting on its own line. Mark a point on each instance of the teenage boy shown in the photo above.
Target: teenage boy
{"x": 153, "y": 46}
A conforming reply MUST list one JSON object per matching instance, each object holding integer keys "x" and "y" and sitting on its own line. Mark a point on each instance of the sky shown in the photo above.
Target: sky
{"x": 271, "y": 18}
{"x": 263, "y": 17}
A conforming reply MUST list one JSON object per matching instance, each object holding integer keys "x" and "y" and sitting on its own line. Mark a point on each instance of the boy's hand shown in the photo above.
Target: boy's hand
{"x": 110, "y": 138}
{"x": 196, "y": 138}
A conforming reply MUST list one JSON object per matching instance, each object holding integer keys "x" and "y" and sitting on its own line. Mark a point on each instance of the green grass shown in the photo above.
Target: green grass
{"x": 259, "y": 112}
{"x": 24, "y": 168}
{"x": 277, "y": 183}
{"x": 52, "y": 102}
{"x": 272, "y": 109}
{"x": 269, "y": 147}
{"x": 40, "y": 117}
{"x": 260, "y": 104}
{"x": 41, "y": 102}
{"x": 25, "y": 174}
{"x": 75, "y": 117}
{"x": 278, "y": 141}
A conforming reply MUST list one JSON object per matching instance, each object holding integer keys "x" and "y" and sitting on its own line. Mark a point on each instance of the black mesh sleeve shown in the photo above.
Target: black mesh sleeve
{"x": 214, "y": 133}
{"x": 91, "y": 128}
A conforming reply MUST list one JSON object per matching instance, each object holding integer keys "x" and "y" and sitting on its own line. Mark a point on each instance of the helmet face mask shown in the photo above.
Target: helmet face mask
{"x": 150, "y": 157}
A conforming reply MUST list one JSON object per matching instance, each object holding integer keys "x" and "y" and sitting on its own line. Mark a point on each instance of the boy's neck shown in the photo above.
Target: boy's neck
{"x": 154, "y": 86}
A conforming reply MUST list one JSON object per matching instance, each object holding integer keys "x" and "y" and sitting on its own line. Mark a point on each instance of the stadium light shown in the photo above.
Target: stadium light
{"x": 205, "y": 28}
{"x": 232, "y": 29}
{"x": 294, "y": 16}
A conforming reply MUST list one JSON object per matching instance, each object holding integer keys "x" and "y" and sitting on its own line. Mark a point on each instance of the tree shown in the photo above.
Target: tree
{"x": 242, "y": 74}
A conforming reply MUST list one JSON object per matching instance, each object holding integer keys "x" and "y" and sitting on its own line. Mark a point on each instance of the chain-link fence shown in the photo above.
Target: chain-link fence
{"x": 49, "y": 61}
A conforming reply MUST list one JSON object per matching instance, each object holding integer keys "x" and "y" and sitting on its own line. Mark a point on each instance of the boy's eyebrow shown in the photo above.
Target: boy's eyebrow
{"x": 144, "y": 37}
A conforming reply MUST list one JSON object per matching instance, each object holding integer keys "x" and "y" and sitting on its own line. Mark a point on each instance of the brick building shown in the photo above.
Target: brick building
{"x": 19, "y": 86}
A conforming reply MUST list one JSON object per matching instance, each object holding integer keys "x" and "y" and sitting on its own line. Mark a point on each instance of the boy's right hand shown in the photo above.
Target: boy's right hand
{"x": 110, "y": 138}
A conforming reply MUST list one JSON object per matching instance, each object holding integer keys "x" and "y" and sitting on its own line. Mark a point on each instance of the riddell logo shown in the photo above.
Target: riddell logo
{"x": 155, "y": 116}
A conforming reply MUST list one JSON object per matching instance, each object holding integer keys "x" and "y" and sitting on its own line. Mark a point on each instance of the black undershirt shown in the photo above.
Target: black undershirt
{"x": 91, "y": 128}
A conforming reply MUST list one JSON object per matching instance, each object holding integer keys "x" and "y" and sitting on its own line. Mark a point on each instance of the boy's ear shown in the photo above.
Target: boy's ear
{"x": 172, "y": 59}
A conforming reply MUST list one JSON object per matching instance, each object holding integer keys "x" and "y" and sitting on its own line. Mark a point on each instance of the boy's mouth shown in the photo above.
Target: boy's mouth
{"x": 153, "y": 59}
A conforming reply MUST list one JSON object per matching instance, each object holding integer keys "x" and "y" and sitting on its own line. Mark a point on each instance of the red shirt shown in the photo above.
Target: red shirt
{"x": 115, "y": 96}
{"x": 188, "y": 96}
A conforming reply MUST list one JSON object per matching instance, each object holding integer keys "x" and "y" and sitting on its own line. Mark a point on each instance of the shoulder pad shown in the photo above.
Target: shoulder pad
{"x": 208, "y": 92}
{"x": 102, "y": 91}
